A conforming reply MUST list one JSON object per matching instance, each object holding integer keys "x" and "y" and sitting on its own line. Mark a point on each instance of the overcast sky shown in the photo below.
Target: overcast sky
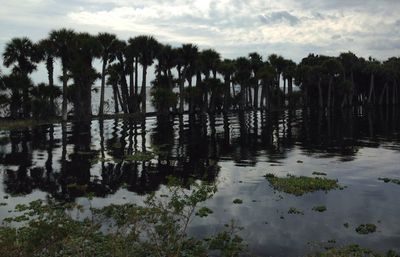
{"x": 292, "y": 28}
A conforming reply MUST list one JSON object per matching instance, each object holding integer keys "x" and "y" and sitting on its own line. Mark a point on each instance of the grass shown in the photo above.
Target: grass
{"x": 366, "y": 229}
{"x": 319, "y": 208}
{"x": 301, "y": 185}
{"x": 390, "y": 180}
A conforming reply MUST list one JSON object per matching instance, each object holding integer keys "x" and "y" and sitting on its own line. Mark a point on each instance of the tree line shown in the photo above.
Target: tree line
{"x": 186, "y": 78}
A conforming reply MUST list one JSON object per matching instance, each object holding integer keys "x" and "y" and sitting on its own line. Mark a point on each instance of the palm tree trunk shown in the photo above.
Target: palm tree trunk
{"x": 103, "y": 82}
{"x": 50, "y": 73}
{"x": 136, "y": 76}
{"x": 131, "y": 85}
{"x": 284, "y": 92}
{"x": 250, "y": 96}
{"x": 383, "y": 93}
{"x": 321, "y": 99}
{"x": 262, "y": 98}
{"x": 290, "y": 92}
{"x": 115, "y": 95}
{"x": 329, "y": 103}
{"x": 227, "y": 93}
{"x": 256, "y": 96}
{"x": 371, "y": 88}
{"x": 143, "y": 92}
{"x": 181, "y": 88}
{"x": 64, "y": 100}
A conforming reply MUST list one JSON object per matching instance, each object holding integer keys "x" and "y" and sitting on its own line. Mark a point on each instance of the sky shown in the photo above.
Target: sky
{"x": 292, "y": 28}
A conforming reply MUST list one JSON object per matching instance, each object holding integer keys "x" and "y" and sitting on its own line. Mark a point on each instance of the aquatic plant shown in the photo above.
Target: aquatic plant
{"x": 295, "y": 211}
{"x": 301, "y": 185}
{"x": 366, "y": 229}
{"x": 204, "y": 212}
{"x": 316, "y": 173}
{"x": 157, "y": 228}
{"x": 389, "y": 180}
{"x": 352, "y": 251}
{"x": 319, "y": 208}
{"x": 238, "y": 201}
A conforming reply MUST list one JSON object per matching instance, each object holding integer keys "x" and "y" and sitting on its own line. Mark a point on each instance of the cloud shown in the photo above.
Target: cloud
{"x": 279, "y": 17}
{"x": 289, "y": 27}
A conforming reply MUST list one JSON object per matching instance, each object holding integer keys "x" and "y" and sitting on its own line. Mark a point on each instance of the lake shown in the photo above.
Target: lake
{"x": 236, "y": 151}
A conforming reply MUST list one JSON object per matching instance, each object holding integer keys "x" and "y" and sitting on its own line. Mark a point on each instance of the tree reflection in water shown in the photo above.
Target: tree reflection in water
{"x": 75, "y": 159}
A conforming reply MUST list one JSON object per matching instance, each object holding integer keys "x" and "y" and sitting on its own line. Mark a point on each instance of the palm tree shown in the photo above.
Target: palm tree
{"x": 242, "y": 77}
{"x": 16, "y": 86}
{"x": 85, "y": 48}
{"x": 256, "y": 64}
{"x": 42, "y": 100}
{"x": 373, "y": 67}
{"x": 332, "y": 68}
{"x": 114, "y": 80}
{"x": 288, "y": 74}
{"x": 227, "y": 68}
{"x": 148, "y": 49}
{"x": 267, "y": 74}
{"x": 62, "y": 40}
{"x": 19, "y": 53}
{"x": 133, "y": 50}
{"x": 46, "y": 51}
{"x": 349, "y": 62}
{"x": 187, "y": 56}
{"x": 107, "y": 43}
{"x": 120, "y": 50}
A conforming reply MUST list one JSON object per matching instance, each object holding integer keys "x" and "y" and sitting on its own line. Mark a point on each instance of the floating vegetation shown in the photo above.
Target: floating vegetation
{"x": 295, "y": 211}
{"x": 319, "y": 208}
{"x": 238, "y": 201}
{"x": 204, "y": 212}
{"x": 389, "y": 180}
{"x": 3, "y": 204}
{"x": 366, "y": 229}
{"x": 139, "y": 157}
{"x": 316, "y": 173}
{"x": 301, "y": 185}
{"x": 352, "y": 251}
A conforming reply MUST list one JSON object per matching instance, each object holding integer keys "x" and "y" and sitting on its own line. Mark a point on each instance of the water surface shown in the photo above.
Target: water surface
{"x": 69, "y": 161}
